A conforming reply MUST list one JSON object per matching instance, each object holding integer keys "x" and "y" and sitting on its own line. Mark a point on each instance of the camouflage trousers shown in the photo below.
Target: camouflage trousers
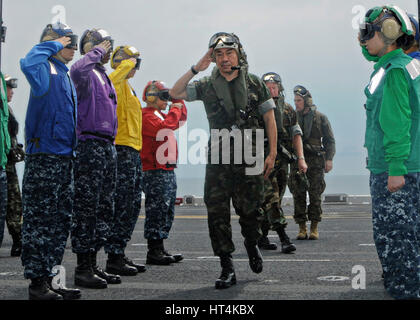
{"x": 160, "y": 192}
{"x": 315, "y": 175}
{"x": 47, "y": 199}
{"x": 127, "y": 199}
{"x": 282, "y": 176}
{"x": 273, "y": 217}
{"x": 396, "y": 231}
{"x": 95, "y": 176}
{"x": 226, "y": 182}
{"x": 3, "y": 202}
{"x": 14, "y": 202}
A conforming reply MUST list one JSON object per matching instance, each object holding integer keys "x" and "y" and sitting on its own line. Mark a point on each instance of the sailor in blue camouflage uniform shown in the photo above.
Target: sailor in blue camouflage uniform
{"x": 50, "y": 134}
{"x": 392, "y": 140}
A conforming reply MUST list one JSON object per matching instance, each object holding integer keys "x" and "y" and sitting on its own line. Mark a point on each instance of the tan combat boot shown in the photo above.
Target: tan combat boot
{"x": 314, "y": 231}
{"x": 302, "y": 232}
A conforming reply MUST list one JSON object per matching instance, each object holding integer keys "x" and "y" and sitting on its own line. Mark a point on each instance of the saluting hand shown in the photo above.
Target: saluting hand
{"x": 106, "y": 45}
{"x": 65, "y": 41}
{"x": 205, "y": 61}
{"x": 177, "y": 105}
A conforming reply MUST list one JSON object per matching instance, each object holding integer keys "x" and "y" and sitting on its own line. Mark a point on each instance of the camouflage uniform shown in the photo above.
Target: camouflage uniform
{"x": 3, "y": 201}
{"x": 160, "y": 191}
{"x": 127, "y": 199}
{"x": 318, "y": 146}
{"x": 48, "y": 191}
{"x": 273, "y": 214}
{"x": 393, "y": 215}
{"x": 14, "y": 201}
{"x": 286, "y": 140}
{"x": 14, "y": 197}
{"x": 95, "y": 173}
{"x": 223, "y": 101}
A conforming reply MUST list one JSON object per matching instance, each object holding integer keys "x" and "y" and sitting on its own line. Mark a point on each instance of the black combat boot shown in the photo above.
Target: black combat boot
{"x": 286, "y": 245}
{"x": 227, "y": 277}
{"x": 84, "y": 275}
{"x": 255, "y": 257}
{"x": 39, "y": 290}
{"x": 116, "y": 265}
{"x": 140, "y": 267}
{"x": 265, "y": 244}
{"x": 108, "y": 277}
{"x": 66, "y": 293}
{"x": 16, "y": 250}
{"x": 177, "y": 257}
{"x": 155, "y": 253}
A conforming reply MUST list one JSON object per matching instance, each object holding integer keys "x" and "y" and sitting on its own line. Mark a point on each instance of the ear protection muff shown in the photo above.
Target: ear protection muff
{"x": 391, "y": 29}
{"x": 153, "y": 91}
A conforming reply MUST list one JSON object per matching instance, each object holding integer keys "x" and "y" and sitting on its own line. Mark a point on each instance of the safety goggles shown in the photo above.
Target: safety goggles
{"x": 74, "y": 40}
{"x": 301, "y": 91}
{"x": 225, "y": 38}
{"x": 138, "y": 62}
{"x": 367, "y": 31}
{"x": 162, "y": 95}
{"x": 12, "y": 83}
{"x": 271, "y": 77}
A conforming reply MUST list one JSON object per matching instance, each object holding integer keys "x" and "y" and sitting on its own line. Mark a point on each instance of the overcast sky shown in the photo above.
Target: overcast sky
{"x": 312, "y": 43}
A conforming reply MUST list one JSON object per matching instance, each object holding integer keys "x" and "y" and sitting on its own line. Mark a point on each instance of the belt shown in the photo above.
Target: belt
{"x": 100, "y": 135}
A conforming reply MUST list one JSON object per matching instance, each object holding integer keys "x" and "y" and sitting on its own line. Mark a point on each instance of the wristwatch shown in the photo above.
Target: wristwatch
{"x": 301, "y": 158}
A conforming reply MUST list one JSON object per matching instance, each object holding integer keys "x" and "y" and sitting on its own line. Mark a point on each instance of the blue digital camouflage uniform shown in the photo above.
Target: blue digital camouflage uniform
{"x": 95, "y": 172}
{"x": 396, "y": 221}
{"x": 3, "y": 201}
{"x": 160, "y": 191}
{"x": 127, "y": 199}
{"x": 47, "y": 198}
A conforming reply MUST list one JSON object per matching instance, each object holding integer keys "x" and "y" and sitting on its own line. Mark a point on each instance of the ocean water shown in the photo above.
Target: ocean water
{"x": 348, "y": 184}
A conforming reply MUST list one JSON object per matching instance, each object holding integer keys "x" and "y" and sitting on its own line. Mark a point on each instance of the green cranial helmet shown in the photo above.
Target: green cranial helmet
{"x": 391, "y": 21}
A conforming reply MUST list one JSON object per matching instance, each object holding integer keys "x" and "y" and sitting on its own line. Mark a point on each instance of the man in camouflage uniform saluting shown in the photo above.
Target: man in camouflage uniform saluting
{"x": 235, "y": 101}
{"x": 319, "y": 149}
{"x": 289, "y": 142}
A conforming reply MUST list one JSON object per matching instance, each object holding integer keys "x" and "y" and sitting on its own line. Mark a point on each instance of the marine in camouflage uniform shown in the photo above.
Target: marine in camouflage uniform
{"x": 319, "y": 149}
{"x": 289, "y": 133}
{"x": 392, "y": 140}
{"x": 234, "y": 100}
